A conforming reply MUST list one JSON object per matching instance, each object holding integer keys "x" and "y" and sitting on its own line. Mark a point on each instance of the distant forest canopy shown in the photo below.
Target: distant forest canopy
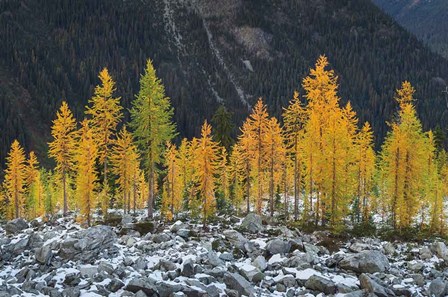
{"x": 426, "y": 19}
{"x": 207, "y": 55}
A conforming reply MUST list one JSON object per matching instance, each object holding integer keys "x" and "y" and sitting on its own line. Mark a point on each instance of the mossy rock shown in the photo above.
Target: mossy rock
{"x": 113, "y": 220}
{"x": 144, "y": 227}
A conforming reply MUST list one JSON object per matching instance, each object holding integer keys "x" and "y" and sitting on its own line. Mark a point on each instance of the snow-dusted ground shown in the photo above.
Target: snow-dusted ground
{"x": 232, "y": 258}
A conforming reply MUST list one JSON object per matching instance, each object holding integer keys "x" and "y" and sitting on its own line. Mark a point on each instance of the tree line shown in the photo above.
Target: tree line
{"x": 316, "y": 165}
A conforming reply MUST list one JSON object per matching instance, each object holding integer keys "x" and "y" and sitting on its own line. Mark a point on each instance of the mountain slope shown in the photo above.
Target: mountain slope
{"x": 427, "y": 19}
{"x": 207, "y": 53}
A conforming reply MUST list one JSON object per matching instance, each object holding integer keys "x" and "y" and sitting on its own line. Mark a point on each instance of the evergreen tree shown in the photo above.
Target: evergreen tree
{"x": 223, "y": 127}
{"x": 295, "y": 117}
{"x": 62, "y": 148}
{"x": 86, "y": 175}
{"x": 403, "y": 159}
{"x": 14, "y": 183}
{"x": 124, "y": 159}
{"x": 151, "y": 120}
{"x": 206, "y": 160}
{"x": 106, "y": 113}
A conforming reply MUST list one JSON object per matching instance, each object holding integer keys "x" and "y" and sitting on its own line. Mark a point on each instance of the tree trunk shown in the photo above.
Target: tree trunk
{"x": 64, "y": 187}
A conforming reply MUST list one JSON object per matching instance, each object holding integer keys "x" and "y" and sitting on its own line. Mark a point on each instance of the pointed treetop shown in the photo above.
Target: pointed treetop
{"x": 107, "y": 86}
{"x": 405, "y": 95}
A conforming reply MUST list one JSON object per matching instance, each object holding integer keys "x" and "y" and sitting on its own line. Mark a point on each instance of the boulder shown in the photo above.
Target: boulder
{"x": 321, "y": 284}
{"x": 43, "y": 255}
{"x": 187, "y": 268}
{"x": 161, "y": 237}
{"x": 235, "y": 238}
{"x": 278, "y": 246}
{"x": 236, "y": 282}
{"x": 439, "y": 248}
{"x": 437, "y": 288}
{"x": 365, "y": 262}
{"x": 141, "y": 284}
{"x": 15, "y": 226}
{"x": 371, "y": 286}
{"x": 114, "y": 285}
{"x": 252, "y": 223}
{"x": 251, "y": 273}
{"x": 260, "y": 263}
{"x": 87, "y": 244}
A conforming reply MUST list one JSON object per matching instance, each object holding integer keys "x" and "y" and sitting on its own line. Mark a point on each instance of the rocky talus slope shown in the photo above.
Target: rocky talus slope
{"x": 234, "y": 257}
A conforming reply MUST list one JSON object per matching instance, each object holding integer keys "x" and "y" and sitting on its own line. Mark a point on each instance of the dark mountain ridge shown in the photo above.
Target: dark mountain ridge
{"x": 207, "y": 53}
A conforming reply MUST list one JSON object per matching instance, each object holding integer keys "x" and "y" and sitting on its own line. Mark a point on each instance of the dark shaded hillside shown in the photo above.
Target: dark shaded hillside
{"x": 427, "y": 19}
{"x": 207, "y": 53}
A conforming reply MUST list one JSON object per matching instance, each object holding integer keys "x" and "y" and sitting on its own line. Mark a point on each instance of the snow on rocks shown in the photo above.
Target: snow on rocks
{"x": 59, "y": 258}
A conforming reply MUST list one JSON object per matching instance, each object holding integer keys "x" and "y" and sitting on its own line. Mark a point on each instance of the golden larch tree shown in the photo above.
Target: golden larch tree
{"x": 275, "y": 157}
{"x": 86, "y": 175}
{"x": 15, "y": 180}
{"x": 172, "y": 200}
{"x": 105, "y": 112}
{"x": 124, "y": 159}
{"x": 206, "y": 157}
{"x": 62, "y": 148}
{"x": 403, "y": 159}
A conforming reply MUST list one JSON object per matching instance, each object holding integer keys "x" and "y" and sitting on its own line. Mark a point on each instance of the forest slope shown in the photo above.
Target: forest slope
{"x": 207, "y": 53}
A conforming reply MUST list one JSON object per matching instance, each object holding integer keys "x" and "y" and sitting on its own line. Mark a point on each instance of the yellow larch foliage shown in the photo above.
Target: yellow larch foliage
{"x": 62, "y": 148}
{"x": 15, "y": 180}
{"x": 86, "y": 175}
{"x": 35, "y": 196}
{"x": 403, "y": 159}
{"x": 124, "y": 159}
{"x": 257, "y": 125}
{"x": 275, "y": 157}
{"x": 172, "y": 198}
{"x": 106, "y": 113}
{"x": 365, "y": 171}
{"x": 206, "y": 165}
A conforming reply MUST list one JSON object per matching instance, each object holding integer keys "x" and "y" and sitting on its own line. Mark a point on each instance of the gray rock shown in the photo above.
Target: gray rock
{"x": 43, "y": 255}
{"x": 15, "y": 226}
{"x": 167, "y": 289}
{"x": 106, "y": 267}
{"x": 115, "y": 285}
{"x": 415, "y": 266}
{"x": 371, "y": 286}
{"x": 167, "y": 265}
{"x": 439, "y": 248}
{"x": 252, "y": 223}
{"x": 236, "y": 282}
{"x": 184, "y": 233}
{"x": 226, "y": 257}
{"x": 289, "y": 281}
{"x": 425, "y": 253}
{"x": 260, "y": 263}
{"x": 357, "y": 247}
{"x": 161, "y": 237}
{"x": 365, "y": 261}
{"x": 321, "y": 284}
{"x": 235, "y": 238}
{"x": 71, "y": 292}
{"x": 187, "y": 268}
{"x": 278, "y": 246}
{"x": 141, "y": 284}
{"x": 213, "y": 259}
{"x": 251, "y": 273}
{"x": 437, "y": 288}
{"x": 87, "y": 244}
{"x": 389, "y": 248}
{"x": 177, "y": 226}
